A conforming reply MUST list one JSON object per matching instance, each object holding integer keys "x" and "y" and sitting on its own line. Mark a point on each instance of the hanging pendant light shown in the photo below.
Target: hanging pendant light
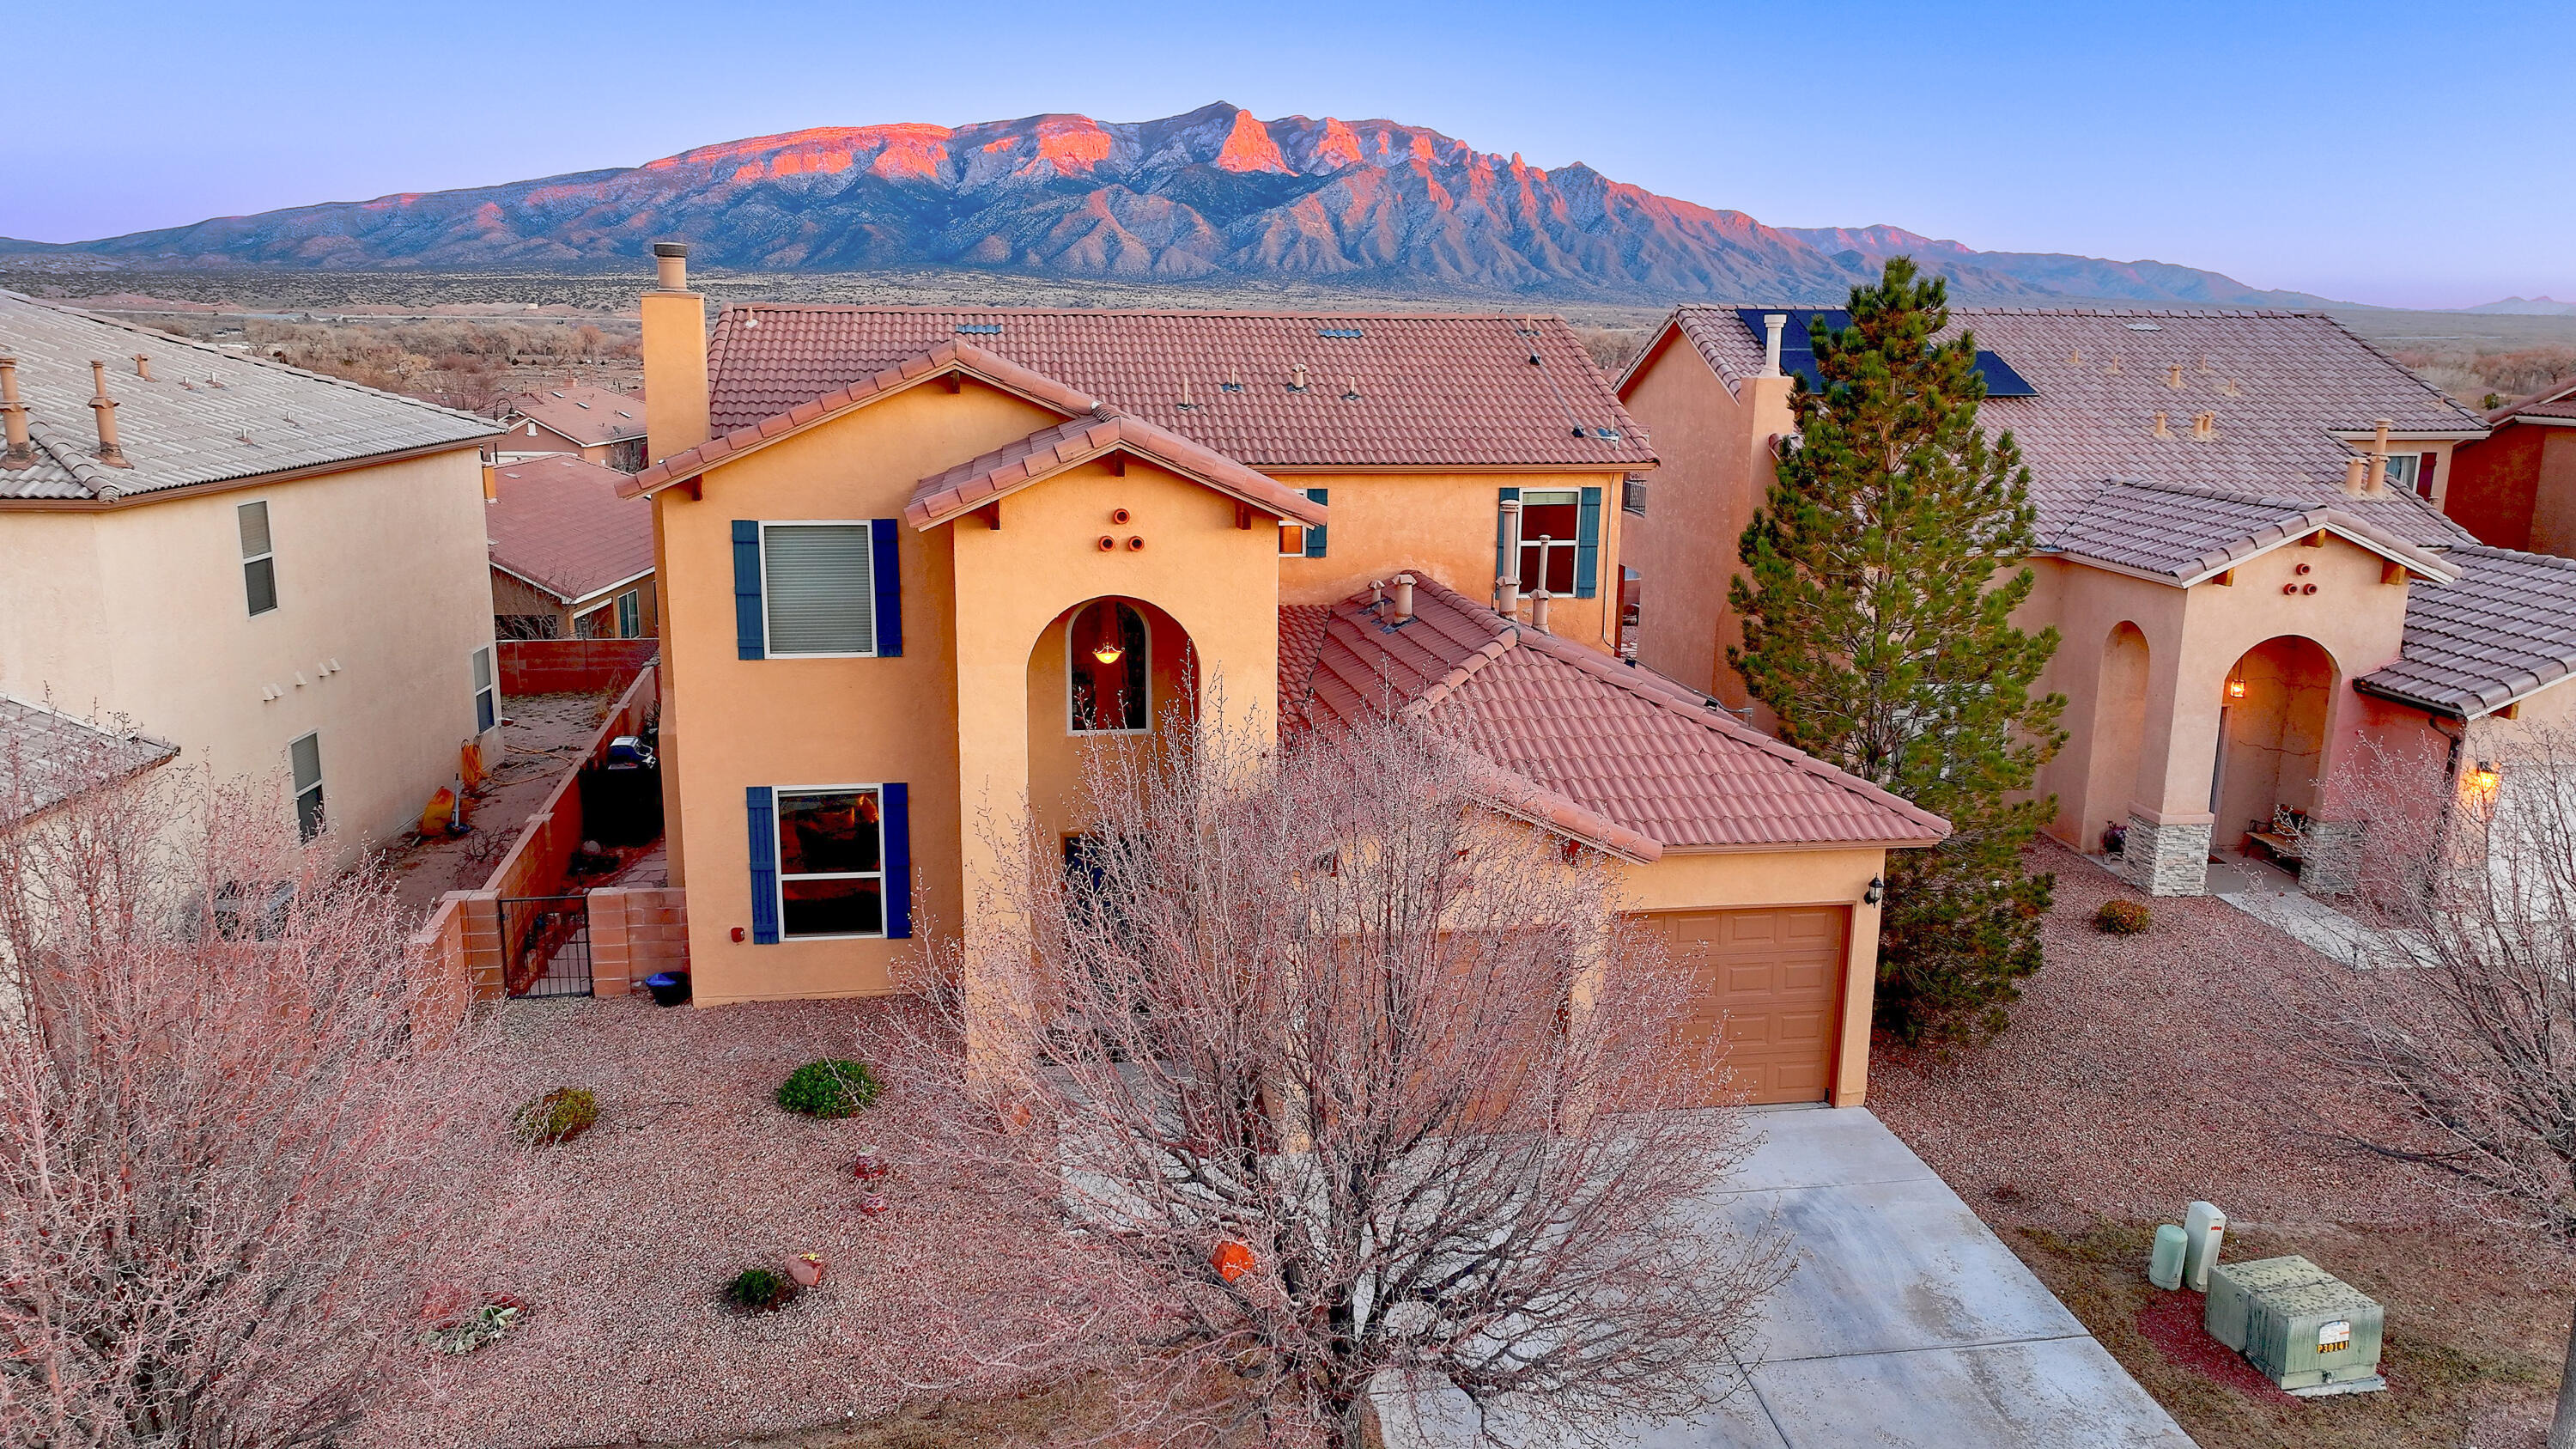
{"x": 1109, "y": 650}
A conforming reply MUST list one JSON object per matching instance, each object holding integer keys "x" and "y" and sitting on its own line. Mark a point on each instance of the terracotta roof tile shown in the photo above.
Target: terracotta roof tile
{"x": 1432, "y": 391}
{"x": 1589, "y": 738}
{"x": 2506, "y": 627}
{"x": 1048, "y": 451}
{"x": 590, "y": 416}
{"x": 2187, "y": 534}
{"x": 2558, "y": 400}
{"x": 561, "y": 524}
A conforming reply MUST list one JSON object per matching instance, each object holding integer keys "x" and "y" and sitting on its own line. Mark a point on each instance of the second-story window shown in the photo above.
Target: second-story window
{"x": 259, "y": 560}
{"x": 1550, "y": 524}
{"x": 819, "y": 589}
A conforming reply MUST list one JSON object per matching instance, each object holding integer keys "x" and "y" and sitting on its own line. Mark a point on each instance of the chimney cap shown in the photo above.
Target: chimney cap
{"x": 670, "y": 249}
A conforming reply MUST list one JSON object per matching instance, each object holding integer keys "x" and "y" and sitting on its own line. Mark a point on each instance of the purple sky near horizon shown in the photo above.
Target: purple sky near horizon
{"x": 2357, "y": 151}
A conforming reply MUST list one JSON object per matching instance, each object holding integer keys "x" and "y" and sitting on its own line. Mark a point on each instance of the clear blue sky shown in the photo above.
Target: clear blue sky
{"x": 2362, "y": 150}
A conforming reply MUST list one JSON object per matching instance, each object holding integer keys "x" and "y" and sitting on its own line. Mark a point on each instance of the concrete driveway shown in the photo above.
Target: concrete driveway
{"x": 1907, "y": 1322}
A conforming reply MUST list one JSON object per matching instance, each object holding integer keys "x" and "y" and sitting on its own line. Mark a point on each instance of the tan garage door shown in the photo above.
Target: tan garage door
{"x": 1775, "y": 978}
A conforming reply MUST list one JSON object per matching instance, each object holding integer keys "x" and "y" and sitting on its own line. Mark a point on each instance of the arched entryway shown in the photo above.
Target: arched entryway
{"x": 1107, "y": 673}
{"x": 2271, "y": 736}
{"x": 2119, "y": 726}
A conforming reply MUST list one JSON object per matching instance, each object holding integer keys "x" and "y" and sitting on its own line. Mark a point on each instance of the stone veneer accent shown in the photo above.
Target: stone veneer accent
{"x": 2167, "y": 860}
{"x": 2329, "y": 857}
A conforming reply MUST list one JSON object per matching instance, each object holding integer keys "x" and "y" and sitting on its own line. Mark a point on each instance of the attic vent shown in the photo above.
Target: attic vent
{"x": 1347, "y": 333}
{"x": 979, "y": 329}
{"x": 2146, "y": 327}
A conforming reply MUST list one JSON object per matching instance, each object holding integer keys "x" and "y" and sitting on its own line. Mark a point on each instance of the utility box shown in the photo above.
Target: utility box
{"x": 2308, "y": 1331}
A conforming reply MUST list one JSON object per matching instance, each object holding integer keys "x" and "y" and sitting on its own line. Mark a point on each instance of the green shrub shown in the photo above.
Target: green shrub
{"x": 559, "y": 1116}
{"x": 758, "y": 1290}
{"x": 2122, "y": 918}
{"x": 828, "y": 1089}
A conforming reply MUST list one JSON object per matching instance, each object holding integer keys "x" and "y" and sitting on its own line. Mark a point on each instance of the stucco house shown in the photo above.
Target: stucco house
{"x": 593, "y": 424}
{"x": 2240, "y": 545}
{"x": 278, "y": 573}
{"x": 913, "y": 561}
{"x": 572, "y": 558}
{"x": 2516, "y": 488}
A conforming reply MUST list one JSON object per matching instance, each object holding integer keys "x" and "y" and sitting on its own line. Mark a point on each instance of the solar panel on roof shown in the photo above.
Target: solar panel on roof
{"x": 1798, "y": 356}
{"x": 1346, "y": 332}
{"x": 981, "y": 329}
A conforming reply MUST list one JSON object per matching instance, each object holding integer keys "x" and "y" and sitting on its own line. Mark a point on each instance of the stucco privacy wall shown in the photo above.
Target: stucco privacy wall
{"x": 139, "y": 611}
{"x": 732, "y": 722}
{"x": 1388, "y": 522}
{"x": 1717, "y": 880}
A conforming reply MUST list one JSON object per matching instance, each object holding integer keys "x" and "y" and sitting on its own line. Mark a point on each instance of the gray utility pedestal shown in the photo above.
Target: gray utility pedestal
{"x": 2308, "y": 1331}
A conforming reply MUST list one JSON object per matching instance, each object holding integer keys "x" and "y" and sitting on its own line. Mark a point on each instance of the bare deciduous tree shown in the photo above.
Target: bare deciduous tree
{"x": 233, "y": 1122}
{"x": 1339, "y": 1072}
{"x": 2461, "y": 1020}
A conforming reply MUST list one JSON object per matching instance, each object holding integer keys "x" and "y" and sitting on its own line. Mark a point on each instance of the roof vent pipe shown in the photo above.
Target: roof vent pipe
{"x": 20, "y": 453}
{"x": 2356, "y": 476}
{"x": 2379, "y": 456}
{"x": 1403, "y": 597}
{"x": 104, "y": 407}
{"x": 1772, "y": 323}
{"x": 143, "y": 366}
{"x": 671, "y": 266}
{"x": 1538, "y": 609}
{"x": 1507, "y": 585}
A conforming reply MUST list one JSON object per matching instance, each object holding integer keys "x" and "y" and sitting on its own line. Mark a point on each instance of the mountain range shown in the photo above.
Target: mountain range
{"x": 1211, "y": 195}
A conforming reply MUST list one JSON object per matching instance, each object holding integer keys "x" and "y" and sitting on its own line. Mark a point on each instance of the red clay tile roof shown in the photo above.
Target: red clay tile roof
{"x": 562, "y": 525}
{"x": 2555, "y": 401}
{"x": 2184, "y": 535}
{"x": 1433, "y": 391}
{"x": 935, "y": 361}
{"x": 1050, "y": 451}
{"x": 2505, "y": 628}
{"x": 589, "y": 416}
{"x": 1612, "y": 753}
{"x": 2282, "y": 384}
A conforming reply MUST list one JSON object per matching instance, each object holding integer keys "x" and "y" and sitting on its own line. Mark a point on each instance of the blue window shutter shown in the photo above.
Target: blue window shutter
{"x": 750, "y": 629}
{"x": 1315, "y": 531}
{"x": 764, "y": 864}
{"x": 1587, "y": 546}
{"x": 1503, "y": 566}
{"x": 888, "y": 569}
{"x": 897, "y": 811}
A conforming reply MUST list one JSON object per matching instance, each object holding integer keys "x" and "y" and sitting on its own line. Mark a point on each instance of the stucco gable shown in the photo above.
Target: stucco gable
{"x": 1049, "y": 451}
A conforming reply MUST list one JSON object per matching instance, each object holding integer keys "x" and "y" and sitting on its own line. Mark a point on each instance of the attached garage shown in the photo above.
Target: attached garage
{"x": 1769, "y": 984}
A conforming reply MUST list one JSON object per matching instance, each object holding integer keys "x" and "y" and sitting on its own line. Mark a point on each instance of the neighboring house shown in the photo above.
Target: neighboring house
{"x": 2238, "y": 534}
{"x": 280, "y": 573}
{"x": 600, "y": 426}
{"x": 571, "y": 557}
{"x": 2516, "y": 488}
{"x": 913, "y": 562}
{"x": 48, "y": 757}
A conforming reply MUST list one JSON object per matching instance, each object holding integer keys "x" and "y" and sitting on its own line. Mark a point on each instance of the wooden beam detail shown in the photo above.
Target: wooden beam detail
{"x": 2226, "y": 578}
{"x": 2391, "y": 571}
{"x": 954, "y": 382}
{"x": 991, "y": 513}
{"x": 1117, "y": 465}
{"x": 1242, "y": 514}
{"x": 2314, "y": 540}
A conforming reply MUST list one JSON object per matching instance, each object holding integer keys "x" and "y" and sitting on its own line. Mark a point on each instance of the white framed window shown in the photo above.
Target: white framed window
{"x": 2402, "y": 471}
{"x": 818, "y": 590}
{"x": 304, "y": 763}
{"x": 630, "y": 614}
{"x": 259, "y": 557}
{"x": 487, "y": 689}
{"x": 1108, "y": 651}
{"x": 1551, "y": 521}
{"x": 831, "y": 861}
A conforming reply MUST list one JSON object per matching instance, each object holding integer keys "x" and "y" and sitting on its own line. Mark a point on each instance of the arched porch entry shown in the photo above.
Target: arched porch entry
{"x": 2271, "y": 737}
{"x": 1112, "y": 672}
{"x": 2119, "y": 730}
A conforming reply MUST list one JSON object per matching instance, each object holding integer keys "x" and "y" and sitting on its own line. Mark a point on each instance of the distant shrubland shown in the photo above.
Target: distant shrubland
{"x": 2490, "y": 379}
{"x": 458, "y": 363}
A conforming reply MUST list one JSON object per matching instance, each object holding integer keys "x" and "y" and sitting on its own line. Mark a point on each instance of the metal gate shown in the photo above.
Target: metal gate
{"x": 547, "y": 942}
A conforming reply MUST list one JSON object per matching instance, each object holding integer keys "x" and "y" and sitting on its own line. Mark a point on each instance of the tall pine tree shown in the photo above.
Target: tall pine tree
{"x": 1883, "y": 574}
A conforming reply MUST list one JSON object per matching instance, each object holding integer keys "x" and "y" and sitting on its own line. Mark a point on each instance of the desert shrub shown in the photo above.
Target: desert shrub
{"x": 758, "y": 1290}
{"x": 828, "y": 1089}
{"x": 2122, "y": 918}
{"x": 559, "y": 1116}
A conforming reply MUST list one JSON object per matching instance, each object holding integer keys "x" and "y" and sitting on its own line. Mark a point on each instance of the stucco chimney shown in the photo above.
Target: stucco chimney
{"x": 675, "y": 357}
{"x": 1538, "y": 609}
{"x": 104, "y": 408}
{"x": 1403, "y": 597}
{"x": 20, "y": 452}
{"x": 1507, "y": 585}
{"x": 1772, "y": 323}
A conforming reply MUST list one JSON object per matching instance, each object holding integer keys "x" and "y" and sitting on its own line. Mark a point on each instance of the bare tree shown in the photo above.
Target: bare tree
{"x": 2461, "y": 1016}
{"x": 1341, "y": 1072}
{"x": 242, "y": 1137}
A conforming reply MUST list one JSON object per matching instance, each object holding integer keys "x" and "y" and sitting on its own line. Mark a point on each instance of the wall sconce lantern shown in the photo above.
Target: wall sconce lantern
{"x": 1877, "y": 891}
{"x": 2236, "y": 689}
{"x": 2482, "y": 780}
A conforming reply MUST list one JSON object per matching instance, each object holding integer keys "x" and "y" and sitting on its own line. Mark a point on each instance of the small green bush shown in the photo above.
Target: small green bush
{"x": 828, "y": 1089}
{"x": 2122, "y": 918}
{"x": 559, "y": 1116}
{"x": 758, "y": 1290}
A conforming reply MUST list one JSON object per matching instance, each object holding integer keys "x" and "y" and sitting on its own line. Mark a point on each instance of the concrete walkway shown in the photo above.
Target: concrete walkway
{"x": 1907, "y": 1322}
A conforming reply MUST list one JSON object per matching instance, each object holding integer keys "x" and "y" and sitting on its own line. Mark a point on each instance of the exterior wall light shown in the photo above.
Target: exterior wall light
{"x": 2236, "y": 689}
{"x": 1877, "y": 890}
{"x": 2482, "y": 781}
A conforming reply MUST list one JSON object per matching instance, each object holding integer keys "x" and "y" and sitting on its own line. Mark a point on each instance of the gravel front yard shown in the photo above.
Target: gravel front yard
{"x": 2142, "y": 1072}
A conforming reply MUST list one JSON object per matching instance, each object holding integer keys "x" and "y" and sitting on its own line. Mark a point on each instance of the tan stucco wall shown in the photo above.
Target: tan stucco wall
{"x": 1383, "y": 523}
{"x": 139, "y": 611}
{"x": 1718, "y": 880}
{"x": 1716, "y": 471}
